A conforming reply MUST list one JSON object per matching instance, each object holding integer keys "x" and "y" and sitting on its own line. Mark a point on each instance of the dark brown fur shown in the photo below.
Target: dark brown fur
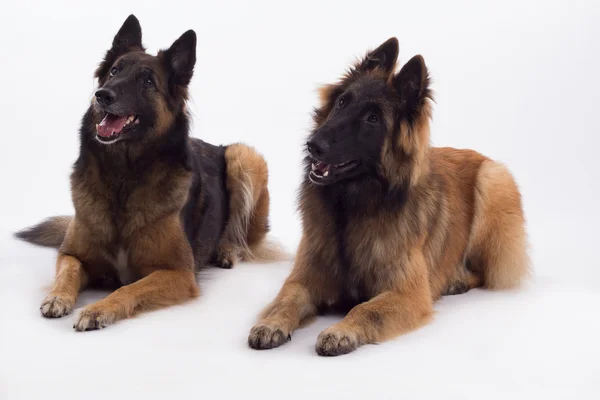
{"x": 156, "y": 206}
{"x": 417, "y": 224}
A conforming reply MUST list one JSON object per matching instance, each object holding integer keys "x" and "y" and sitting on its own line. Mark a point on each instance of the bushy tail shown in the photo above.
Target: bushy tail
{"x": 498, "y": 236}
{"x": 48, "y": 233}
{"x": 266, "y": 251}
{"x": 246, "y": 233}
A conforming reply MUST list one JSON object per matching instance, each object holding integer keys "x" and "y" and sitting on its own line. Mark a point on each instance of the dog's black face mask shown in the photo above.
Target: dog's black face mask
{"x": 348, "y": 144}
{"x": 139, "y": 94}
{"x": 354, "y": 120}
{"x": 362, "y": 114}
{"x": 127, "y": 100}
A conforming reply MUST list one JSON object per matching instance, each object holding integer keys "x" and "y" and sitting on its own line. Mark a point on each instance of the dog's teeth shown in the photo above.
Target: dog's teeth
{"x": 314, "y": 167}
{"x": 326, "y": 173}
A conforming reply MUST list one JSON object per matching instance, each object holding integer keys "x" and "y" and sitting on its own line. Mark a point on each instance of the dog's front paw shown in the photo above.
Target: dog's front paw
{"x": 336, "y": 341}
{"x": 267, "y": 336}
{"x": 90, "y": 319}
{"x": 56, "y": 306}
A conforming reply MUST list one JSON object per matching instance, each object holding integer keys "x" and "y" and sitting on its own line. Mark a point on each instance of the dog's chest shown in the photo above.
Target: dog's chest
{"x": 115, "y": 207}
{"x": 119, "y": 261}
{"x": 370, "y": 253}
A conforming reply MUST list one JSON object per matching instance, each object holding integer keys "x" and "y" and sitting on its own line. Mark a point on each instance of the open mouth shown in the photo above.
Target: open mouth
{"x": 323, "y": 174}
{"x": 113, "y": 126}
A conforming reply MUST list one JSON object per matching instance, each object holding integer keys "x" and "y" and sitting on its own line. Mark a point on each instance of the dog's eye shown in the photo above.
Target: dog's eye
{"x": 114, "y": 71}
{"x": 342, "y": 102}
{"x": 373, "y": 119}
{"x": 148, "y": 82}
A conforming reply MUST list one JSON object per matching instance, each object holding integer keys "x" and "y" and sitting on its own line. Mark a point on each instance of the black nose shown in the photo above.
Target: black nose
{"x": 317, "y": 148}
{"x": 105, "y": 96}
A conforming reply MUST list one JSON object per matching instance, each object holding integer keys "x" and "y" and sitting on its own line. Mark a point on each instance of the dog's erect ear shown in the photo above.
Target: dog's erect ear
{"x": 384, "y": 57}
{"x": 180, "y": 58}
{"x": 129, "y": 38}
{"x": 412, "y": 85}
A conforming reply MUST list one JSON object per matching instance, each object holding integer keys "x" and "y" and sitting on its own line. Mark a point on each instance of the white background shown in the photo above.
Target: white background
{"x": 515, "y": 80}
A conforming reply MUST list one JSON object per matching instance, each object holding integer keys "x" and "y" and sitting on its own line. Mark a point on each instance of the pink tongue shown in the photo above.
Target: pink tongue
{"x": 323, "y": 167}
{"x": 111, "y": 123}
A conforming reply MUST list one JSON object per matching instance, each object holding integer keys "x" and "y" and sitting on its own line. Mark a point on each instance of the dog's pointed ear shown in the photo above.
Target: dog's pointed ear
{"x": 412, "y": 85}
{"x": 180, "y": 58}
{"x": 129, "y": 38}
{"x": 384, "y": 57}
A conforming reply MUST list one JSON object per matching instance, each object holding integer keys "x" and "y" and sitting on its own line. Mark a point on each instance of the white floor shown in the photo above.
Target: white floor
{"x": 542, "y": 341}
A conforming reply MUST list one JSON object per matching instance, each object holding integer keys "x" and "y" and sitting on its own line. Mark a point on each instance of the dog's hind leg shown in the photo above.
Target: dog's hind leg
{"x": 245, "y": 235}
{"x": 70, "y": 279}
{"x": 226, "y": 255}
{"x": 498, "y": 243}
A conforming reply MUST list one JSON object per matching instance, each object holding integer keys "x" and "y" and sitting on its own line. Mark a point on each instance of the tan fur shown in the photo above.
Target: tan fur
{"x": 460, "y": 226}
{"x": 161, "y": 288}
{"x": 164, "y": 116}
{"x": 413, "y": 144}
{"x": 158, "y": 253}
{"x": 497, "y": 233}
{"x": 70, "y": 279}
{"x": 246, "y": 231}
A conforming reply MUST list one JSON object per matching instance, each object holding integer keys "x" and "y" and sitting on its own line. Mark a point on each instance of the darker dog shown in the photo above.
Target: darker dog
{"x": 389, "y": 223}
{"x": 151, "y": 204}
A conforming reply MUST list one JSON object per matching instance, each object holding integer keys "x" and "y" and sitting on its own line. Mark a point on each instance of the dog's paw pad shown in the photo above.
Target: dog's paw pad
{"x": 335, "y": 343}
{"x": 56, "y": 306}
{"x": 264, "y": 337}
{"x": 90, "y": 320}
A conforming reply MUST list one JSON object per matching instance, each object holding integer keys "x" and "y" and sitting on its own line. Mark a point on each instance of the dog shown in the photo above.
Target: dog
{"x": 391, "y": 224}
{"x": 152, "y": 205}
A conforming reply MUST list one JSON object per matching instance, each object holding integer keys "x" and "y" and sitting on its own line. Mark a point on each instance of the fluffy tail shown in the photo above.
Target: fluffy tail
{"x": 265, "y": 252}
{"x": 498, "y": 237}
{"x": 48, "y": 233}
{"x": 248, "y": 225}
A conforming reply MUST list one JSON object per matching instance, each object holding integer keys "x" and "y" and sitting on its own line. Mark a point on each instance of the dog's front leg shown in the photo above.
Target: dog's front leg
{"x": 159, "y": 289}
{"x": 70, "y": 279}
{"x": 295, "y": 302}
{"x": 406, "y": 305}
{"x": 282, "y": 317}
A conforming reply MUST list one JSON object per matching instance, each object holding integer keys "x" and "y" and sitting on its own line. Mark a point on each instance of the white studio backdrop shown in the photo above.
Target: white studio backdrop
{"x": 515, "y": 80}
